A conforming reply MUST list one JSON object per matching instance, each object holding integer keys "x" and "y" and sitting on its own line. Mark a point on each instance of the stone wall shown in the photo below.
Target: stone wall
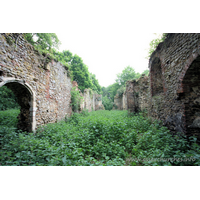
{"x": 174, "y": 83}
{"x": 138, "y": 94}
{"x": 42, "y": 86}
{"x": 171, "y": 93}
{"x": 118, "y": 102}
{"x": 98, "y": 102}
{"x": 124, "y": 101}
{"x": 91, "y": 101}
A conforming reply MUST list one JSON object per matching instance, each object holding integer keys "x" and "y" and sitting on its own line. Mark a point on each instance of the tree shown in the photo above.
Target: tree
{"x": 96, "y": 87}
{"x": 110, "y": 91}
{"x": 127, "y": 74}
{"x": 80, "y": 73}
{"x": 108, "y": 103}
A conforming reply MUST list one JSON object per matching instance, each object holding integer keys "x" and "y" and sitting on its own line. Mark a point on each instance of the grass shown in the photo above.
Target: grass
{"x": 98, "y": 138}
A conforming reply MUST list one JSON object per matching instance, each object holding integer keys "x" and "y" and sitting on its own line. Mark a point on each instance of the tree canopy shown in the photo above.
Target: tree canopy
{"x": 80, "y": 73}
{"x": 96, "y": 87}
{"x": 127, "y": 74}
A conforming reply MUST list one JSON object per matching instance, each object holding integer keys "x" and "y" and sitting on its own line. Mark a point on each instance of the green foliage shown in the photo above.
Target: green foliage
{"x": 127, "y": 74}
{"x": 64, "y": 57}
{"x": 7, "y": 99}
{"x": 80, "y": 73}
{"x": 111, "y": 91}
{"x": 154, "y": 43}
{"x": 96, "y": 87}
{"x": 121, "y": 91}
{"x": 105, "y": 138}
{"x": 43, "y": 41}
{"x": 119, "y": 86}
{"x": 76, "y": 99}
{"x": 9, "y": 117}
{"x": 108, "y": 103}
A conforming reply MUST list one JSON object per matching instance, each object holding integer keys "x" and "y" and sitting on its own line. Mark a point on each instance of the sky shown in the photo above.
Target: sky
{"x": 107, "y": 52}
{"x": 106, "y": 35}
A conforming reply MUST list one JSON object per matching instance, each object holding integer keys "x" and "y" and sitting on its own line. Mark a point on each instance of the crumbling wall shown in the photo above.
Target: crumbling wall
{"x": 45, "y": 84}
{"x": 98, "y": 102}
{"x": 171, "y": 93}
{"x": 91, "y": 101}
{"x": 88, "y": 100}
{"x": 176, "y": 102}
{"x": 137, "y": 94}
{"x": 118, "y": 102}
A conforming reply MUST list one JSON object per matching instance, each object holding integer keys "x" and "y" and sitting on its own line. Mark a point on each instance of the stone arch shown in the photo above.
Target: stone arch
{"x": 189, "y": 94}
{"x": 26, "y": 99}
{"x": 156, "y": 77}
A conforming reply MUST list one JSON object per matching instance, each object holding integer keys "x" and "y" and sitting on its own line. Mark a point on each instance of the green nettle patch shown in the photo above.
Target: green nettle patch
{"x": 98, "y": 138}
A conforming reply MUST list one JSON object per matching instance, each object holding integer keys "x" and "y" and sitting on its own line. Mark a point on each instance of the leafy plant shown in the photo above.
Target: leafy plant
{"x": 76, "y": 99}
{"x": 99, "y": 138}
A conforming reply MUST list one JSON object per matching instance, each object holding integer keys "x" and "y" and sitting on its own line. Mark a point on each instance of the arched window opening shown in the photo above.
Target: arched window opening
{"x": 156, "y": 77}
{"x": 191, "y": 98}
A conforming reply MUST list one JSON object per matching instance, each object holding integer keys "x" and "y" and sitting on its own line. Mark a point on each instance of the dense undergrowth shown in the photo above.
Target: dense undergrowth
{"x": 108, "y": 138}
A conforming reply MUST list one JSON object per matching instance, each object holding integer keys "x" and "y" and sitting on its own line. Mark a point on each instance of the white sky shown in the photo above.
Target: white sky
{"x": 108, "y": 49}
{"x": 108, "y": 35}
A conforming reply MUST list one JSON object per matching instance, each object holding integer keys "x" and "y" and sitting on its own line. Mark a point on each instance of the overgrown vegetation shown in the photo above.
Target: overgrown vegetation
{"x": 76, "y": 99}
{"x": 107, "y": 102}
{"x": 7, "y": 99}
{"x": 108, "y": 138}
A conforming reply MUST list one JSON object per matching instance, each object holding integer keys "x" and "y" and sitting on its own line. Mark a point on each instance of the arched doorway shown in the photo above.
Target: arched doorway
{"x": 26, "y": 99}
{"x": 191, "y": 98}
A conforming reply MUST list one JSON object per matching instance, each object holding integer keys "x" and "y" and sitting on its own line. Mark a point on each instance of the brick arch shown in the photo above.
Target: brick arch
{"x": 156, "y": 77}
{"x": 183, "y": 72}
{"x": 26, "y": 99}
{"x": 189, "y": 94}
